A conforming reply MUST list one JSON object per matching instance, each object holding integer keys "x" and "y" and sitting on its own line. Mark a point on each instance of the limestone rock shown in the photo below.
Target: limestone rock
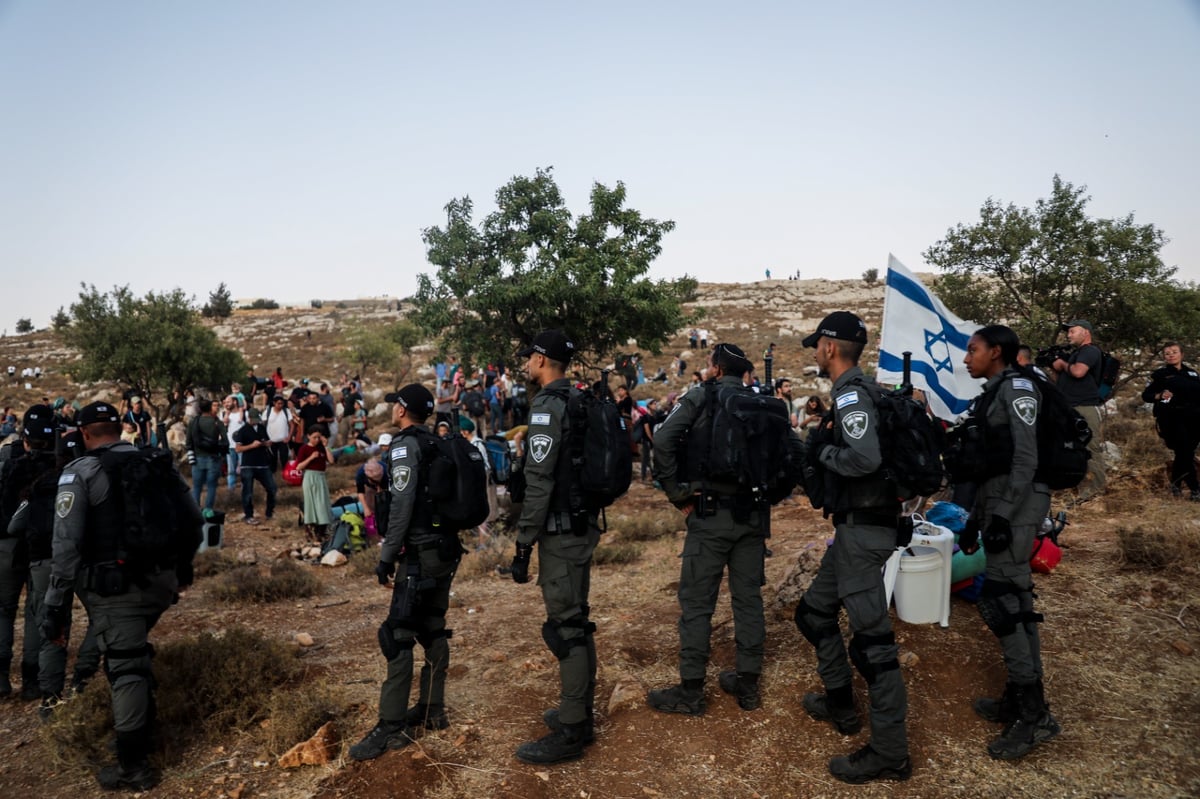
{"x": 333, "y": 557}
{"x": 626, "y": 693}
{"x": 797, "y": 580}
{"x": 304, "y": 639}
{"x": 1182, "y": 647}
{"x": 247, "y": 556}
{"x": 316, "y": 751}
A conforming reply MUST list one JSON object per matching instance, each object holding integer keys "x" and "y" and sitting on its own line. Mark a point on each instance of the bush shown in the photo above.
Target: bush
{"x": 616, "y": 553}
{"x": 281, "y": 579}
{"x": 294, "y": 714}
{"x": 24, "y": 326}
{"x": 647, "y": 526}
{"x": 262, "y": 304}
{"x": 1165, "y": 536}
{"x": 871, "y": 276}
{"x": 212, "y": 562}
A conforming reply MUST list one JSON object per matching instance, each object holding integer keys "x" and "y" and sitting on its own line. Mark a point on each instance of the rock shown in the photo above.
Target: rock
{"x": 247, "y": 556}
{"x": 311, "y": 552}
{"x": 1182, "y": 647}
{"x": 495, "y": 656}
{"x": 316, "y": 751}
{"x": 797, "y": 580}
{"x": 626, "y": 693}
{"x": 333, "y": 557}
{"x": 908, "y": 659}
{"x": 381, "y": 409}
{"x": 304, "y": 639}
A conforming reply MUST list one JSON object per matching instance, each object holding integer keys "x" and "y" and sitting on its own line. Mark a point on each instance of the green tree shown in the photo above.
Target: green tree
{"x": 387, "y": 348}
{"x": 61, "y": 320}
{"x": 219, "y": 305}
{"x": 1037, "y": 268}
{"x": 529, "y": 266}
{"x": 148, "y": 343}
{"x": 264, "y": 304}
{"x": 871, "y": 276}
{"x": 24, "y": 326}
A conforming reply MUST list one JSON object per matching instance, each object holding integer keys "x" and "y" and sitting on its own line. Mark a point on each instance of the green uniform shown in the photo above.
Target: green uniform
{"x": 865, "y": 514}
{"x": 564, "y": 557}
{"x": 1007, "y": 601}
{"x": 430, "y": 557}
{"x": 727, "y": 532}
{"x": 14, "y": 578}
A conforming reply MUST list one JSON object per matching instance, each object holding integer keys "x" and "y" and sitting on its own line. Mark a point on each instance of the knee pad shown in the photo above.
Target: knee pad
{"x": 815, "y": 625}
{"x": 561, "y": 647}
{"x": 999, "y": 619}
{"x": 859, "y": 645}
{"x": 389, "y": 645}
{"x": 114, "y": 673}
{"x": 427, "y": 639}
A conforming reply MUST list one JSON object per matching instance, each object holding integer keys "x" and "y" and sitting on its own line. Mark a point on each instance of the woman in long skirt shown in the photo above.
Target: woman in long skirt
{"x": 313, "y": 459}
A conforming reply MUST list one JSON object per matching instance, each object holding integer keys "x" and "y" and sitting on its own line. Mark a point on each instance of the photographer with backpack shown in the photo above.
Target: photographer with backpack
{"x": 1079, "y": 379}
{"x": 865, "y": 507}
{"x": 699, "y": 461}
{"x": 1010, "y": 504}
{"x": 125, "y": 532}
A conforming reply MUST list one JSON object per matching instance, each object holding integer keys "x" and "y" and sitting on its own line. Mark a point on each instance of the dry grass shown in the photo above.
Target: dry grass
{"x": 648, "y": 526}
{"x": 294, "y": 714}
{"x": 280, "y": 579}
{"x": 607, "y": 554}
{"x": 212, "y": 562}
{"x": 1165, "y": 535}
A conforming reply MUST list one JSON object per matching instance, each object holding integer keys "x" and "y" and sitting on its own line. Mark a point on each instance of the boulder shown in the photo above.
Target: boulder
{"x": 626, "y": 693}
{"x": 797, "y": 580}
{"x": 333, "y": 558}
{"x": 316, "y": 751}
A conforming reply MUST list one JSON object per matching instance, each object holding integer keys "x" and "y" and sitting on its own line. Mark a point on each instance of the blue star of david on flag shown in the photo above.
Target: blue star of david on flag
{"x": 940, "y": 359}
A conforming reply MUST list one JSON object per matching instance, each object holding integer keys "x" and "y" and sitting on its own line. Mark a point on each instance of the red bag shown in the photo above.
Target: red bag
{"x": 291, "y": 475}
{"x": 1046, "y": 555}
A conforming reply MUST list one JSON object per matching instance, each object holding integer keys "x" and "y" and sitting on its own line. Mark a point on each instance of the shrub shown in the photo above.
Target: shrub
{"x": 1164, "y": 536}
{"x": 871, "y": 276}
{"x": 647, "y": 526}
{"x": 294, "y": 714}
{"x": 616, "y": 553}
{"x": 24, "y": 326}
{"x": 281, "y": 579}
{"x": 262, "y": 304}
{"x": 212, "y": 562}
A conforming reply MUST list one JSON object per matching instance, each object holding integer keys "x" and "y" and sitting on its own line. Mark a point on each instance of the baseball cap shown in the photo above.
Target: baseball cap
{"x": 554, "y": 344}
{"x": 385, "y": 440}
{"x": 38, "y": 424}
{"x": 414, "y": 396}
{"x": 70, "y": 444}
{"x": 97, "y": 412}
{"x": 841, "y": 325}
{"x": 466, "y": 424}
{"x": 253, "y": 415}
{"x": 1085, "y": 324}
{"x": 732, "y": 359}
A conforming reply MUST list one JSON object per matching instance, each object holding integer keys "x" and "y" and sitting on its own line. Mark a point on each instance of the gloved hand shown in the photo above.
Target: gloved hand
{"x": 191, "y": 456}
{"x": 185, "y": 574}
{"x": 520, "y": 563}
{"x": 55, "y": 621}
{"x": 968, "y": 539}
{"x": 998, "y": 535}
{"x": 384, "y": 571}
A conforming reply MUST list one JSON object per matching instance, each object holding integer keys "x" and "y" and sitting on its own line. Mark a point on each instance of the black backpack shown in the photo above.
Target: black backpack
{"x": 149, "y": 495}
{"x": 1109, "y": 371}
{"x": 600, "y": 463}
{"x": 749, "y": 443}
{"x": 455, "y": 482}
{"x": 474, "y": 403}
{"x": 910, "y": 440}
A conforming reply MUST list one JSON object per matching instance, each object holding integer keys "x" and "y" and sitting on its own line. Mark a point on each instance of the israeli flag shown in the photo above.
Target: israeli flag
{"x": 916, "y": 321}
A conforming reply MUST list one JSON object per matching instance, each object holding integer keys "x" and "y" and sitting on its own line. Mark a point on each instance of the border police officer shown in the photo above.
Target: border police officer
{"x": 1009, "y": 508}
{"x": 565, "y": 556}
{"x": 421, "y": 596}
{"x": 122, "y": 606}
{"x": 724, "y": 529}
{"x": 865, "y": 512}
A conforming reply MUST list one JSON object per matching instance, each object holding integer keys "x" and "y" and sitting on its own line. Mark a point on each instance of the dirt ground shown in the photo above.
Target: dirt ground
{"x": 1119, "y": 645}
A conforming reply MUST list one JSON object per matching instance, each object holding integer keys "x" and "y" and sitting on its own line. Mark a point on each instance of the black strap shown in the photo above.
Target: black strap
{"x": 867, "y": 518}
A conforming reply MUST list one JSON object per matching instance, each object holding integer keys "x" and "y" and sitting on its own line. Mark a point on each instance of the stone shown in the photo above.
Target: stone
{"x": 247, "y": 556}
{"x": 333, "y": 557}
{"x": 797, "y": 580}
{"x": 1182, "y": 647}
{"x": 316, "y": 751}
{"x": 304, "y": 639}
{"x": 908, "y": 659}
{"x": 627, "y": 693}
{"x": 495, "y": 656}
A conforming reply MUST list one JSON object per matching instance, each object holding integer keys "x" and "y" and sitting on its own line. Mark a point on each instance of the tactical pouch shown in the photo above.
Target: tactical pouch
{"x": 904, "y": 531}
{"x": 450, "y": 548}
{"x": 107, "y": 579}
{"x": 580, "y": 522}
{"x": 387, "y": 641}
{"x": 516, "y": 486}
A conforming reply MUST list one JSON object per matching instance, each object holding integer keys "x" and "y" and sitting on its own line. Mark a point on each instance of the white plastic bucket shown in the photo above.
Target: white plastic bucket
{"x": 918, "y": 586}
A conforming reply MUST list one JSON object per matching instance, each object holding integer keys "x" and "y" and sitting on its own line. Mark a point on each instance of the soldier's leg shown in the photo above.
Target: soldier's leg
{"x": 705, "y": 554}
{"x": 817, "y": 619}
{"x": 397, "y": 636}
{"x": 746, "y": 575}
{"x": 87, "y": 659}
{"x": 1006, "y": 606}
{"x": 52, "y": 658}
{"x": 434, "y": 637}
{"x": 11, "y": 582}
{"x": 564, "y": 561}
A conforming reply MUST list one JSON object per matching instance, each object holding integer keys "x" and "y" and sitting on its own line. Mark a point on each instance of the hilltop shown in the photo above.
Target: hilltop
{"x": 1119, "y": 637}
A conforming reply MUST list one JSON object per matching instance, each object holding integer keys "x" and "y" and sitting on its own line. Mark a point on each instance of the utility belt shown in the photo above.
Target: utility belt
{"x": 867, "y": 518}
{"x": 740, "y": 506}
{"x": 113, "y": 577}
{"x": 564, "y": 522}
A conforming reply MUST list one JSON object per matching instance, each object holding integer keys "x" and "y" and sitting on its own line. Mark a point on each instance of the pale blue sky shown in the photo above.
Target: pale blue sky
{"x": 296, "y": 149}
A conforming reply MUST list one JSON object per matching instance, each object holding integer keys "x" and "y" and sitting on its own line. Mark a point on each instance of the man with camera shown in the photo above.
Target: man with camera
{"x": 1079, "y": 381}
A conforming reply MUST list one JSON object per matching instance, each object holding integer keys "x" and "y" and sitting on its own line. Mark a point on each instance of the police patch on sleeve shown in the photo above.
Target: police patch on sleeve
{"x": 539, "y": 447}
{"x": 399, "y": 452}
{"x": 1022, "y": 383}
{"x": 63, "y": 503}
{"x": 400, "y": 477}
{"x": 855, "y": 424}
{"x": 849, "y": 398}
{"x": 539, "y": 418}
{"x": 1026, "y": 409}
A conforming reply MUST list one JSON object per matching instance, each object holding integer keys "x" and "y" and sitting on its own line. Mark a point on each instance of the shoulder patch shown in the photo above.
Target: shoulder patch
{"x": 1026, "y": 409}
{"x": 399, "y": 452}
{"x": 855, "y": 424}
{"x": 539, "y": 418}
{"x": 401, "y": 475}
{"x": 540, "y": 446}
{"x": 849, "y": 398}
{"x": 1022, "y": 383}
{"x": 63, "y": 504}
{"x": 66, "y": 478}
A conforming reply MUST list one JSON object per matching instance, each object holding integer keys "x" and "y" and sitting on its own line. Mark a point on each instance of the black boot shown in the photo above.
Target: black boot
{"x": 866, "y": 764}
{"x": 742, "y": 685}
{"x": 132, "y": 770}
{"x": 1034, "y": 725}
{"x": 565, "y": 743}
{"x": 686, "y": 698}
{"x": 383, "y": 736}
{"x": 49, "y": 702}
{"x": 80, "y": 679}
{"x": 550, "y": 719}
{"x": 836, "y": 706}
{"x": 431, "y": 717}
{"x": 5, "y": 683}
{"x": 999, "y": 711}
{"x": 30, "y": 690}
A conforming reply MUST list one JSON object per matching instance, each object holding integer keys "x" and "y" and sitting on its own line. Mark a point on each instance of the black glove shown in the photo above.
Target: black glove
{"x": 998, "y": 535}
{"x": 520, "y": 563}
{"x": 384, "y": 571}
{"x": 55, "y": 621}
{"x": 185, "y": 574}
{"x": 968, "y": 539}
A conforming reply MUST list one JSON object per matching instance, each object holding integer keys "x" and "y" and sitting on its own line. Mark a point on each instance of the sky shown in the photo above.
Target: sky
{"x": 297, "y": 149}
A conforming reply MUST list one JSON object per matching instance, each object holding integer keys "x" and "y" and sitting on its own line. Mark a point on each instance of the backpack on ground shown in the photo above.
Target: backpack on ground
{"x": 599, "y": 466}
{"x": 910, "y": 441}
{"x": 150, "y": 500}
{"x": 455, "y": 482}
{"x": 1108, "y": 372}
{"x": 749, "y": 443}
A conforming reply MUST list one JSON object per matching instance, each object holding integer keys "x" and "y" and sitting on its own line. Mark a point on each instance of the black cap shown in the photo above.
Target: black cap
{"x": 414, "y": 396}
{"x": 841, "y": 325}
{"x": 97, "y": 412}
{"x": 732, "y": 360}
{"x": 38, "y": 424}
{"x": 554, "y": 344}
{"x": 70, "y": 444}
{"x": 1085, "y": 324}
